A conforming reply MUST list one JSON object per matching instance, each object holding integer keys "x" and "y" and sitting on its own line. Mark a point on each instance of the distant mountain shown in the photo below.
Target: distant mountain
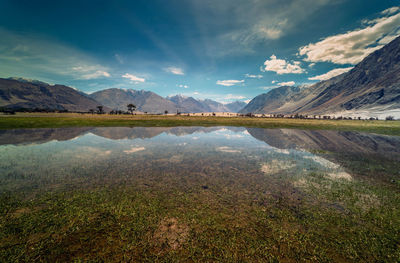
{"x": 34, "y": 94}
{"x": 214, "y": 106}
{"x": 235, "y": 106}
{"x": 189, "y": 104}
{"x": 145, "y": 101}
{"x": 373, "y": 84}
{"x": 22, "y": 93}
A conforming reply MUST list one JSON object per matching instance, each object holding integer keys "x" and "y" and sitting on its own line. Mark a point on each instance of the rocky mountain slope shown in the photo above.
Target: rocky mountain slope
{"x": 21, "y": 93}
{"x": 145, "y": 101}
{"x": 372, "y": 84}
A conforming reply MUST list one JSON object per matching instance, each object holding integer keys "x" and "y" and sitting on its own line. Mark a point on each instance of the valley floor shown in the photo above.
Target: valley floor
{"x": 55, "y": 120}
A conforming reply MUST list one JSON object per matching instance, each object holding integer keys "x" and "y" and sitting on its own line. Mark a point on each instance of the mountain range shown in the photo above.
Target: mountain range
{"x": 18, "y": 93}
{"x": 372, "y": 85}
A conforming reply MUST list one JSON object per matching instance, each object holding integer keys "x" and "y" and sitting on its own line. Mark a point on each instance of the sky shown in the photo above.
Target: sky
{"x": 224, "y": 50}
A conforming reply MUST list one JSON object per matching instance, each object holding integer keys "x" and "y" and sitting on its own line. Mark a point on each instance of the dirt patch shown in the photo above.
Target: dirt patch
{"x": 21, "y": 211}
{"x": 171, "y": 233}
{"x": 367, "y": 201}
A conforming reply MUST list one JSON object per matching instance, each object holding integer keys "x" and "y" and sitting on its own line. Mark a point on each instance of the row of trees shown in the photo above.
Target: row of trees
{"x": 324, "y": 117}
{"x": 100, "y": 110}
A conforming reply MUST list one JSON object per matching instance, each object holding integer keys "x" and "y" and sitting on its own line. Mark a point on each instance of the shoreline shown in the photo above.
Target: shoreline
{"x": 60, "y": 120}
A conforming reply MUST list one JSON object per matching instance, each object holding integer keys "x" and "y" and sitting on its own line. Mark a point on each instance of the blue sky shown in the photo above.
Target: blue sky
{"x": 220, "y": 49}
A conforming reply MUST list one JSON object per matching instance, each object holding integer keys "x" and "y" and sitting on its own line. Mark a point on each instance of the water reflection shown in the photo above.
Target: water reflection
{"x": 81, "y": 188}
{"x": 331, "y": 141}
{"x": 184, "y": 157}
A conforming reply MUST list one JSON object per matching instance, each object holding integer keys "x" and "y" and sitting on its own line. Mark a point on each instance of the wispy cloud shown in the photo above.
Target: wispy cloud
{"x": 331, "y": 74}
{"x": 33, "y": 56}
{"x": 183, "y": 86}
{"x": 288, "y": 83}
{"x": 91, "y": 72}
{"x": 390, "y": 10}
{"x": 234, "y": 97}
{"x": 119, "y": 58}
{"x": 229, "y": 82}
{"x": 353, "y": 46}
{"x": 133, "y": 78}
{"x": 281, "y": 66}
{"x": 254, "y": 76}
{"x": 174, "y": 70}
{"x": 254, "y": 22}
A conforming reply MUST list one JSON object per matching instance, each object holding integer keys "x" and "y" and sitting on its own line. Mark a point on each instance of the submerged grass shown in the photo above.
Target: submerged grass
{"x": 196, "y": 205}
{"x": 55, "y": 120}
{"x": 211, "y": 217}
{"x": 125, "y": 224}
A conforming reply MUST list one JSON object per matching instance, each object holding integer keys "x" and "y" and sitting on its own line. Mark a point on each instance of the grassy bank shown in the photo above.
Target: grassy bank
{"x": 56, "y": 120}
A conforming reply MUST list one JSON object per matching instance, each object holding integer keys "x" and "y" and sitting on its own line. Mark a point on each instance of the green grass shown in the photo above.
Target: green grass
{"x": 111, "y": 212}
{"x": 125, "y": 224}
{"x": 88, "y": 120}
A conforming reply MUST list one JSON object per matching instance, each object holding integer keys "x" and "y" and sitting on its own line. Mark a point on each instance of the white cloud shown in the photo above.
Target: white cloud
{"x": 274, "y": 81}
{"x": 281, "y": 66}
{"x": 229, "y": 82}
{"x": 90, "y": 72}
{"x": 289, "y": 83}
{"x": 174, "y": 70}
{"x": 227, "y": 149}
{"x": 270, "y": 33}
{"x": 331, "y": 74}
{"x": 353, "y": 46}
{"x": 254, "y": 76}
{"x": 134, "y": 149}
{"x": 247, "y": 101}
{"x": 234, "y": 97}
{"x": 183, "y": 86}
{"x": 196, "y": 93}
{"x": 133, "y": 78}
{"x": 390, "y": 10}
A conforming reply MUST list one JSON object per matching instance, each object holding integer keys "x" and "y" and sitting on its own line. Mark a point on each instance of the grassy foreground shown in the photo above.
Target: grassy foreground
{"x": 56, "y": 120}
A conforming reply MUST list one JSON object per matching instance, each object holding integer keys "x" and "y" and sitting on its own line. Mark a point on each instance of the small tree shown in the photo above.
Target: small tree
{"x": 131, "y": 108}
{"x": 389, "y": 118}
{"x": 166, "y": 112}
{"x": 100, "y": 109}
{"x": 91, "y": 111}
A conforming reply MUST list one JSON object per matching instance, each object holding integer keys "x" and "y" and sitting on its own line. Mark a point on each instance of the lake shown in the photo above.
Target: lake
{"x": 198, "y": 194}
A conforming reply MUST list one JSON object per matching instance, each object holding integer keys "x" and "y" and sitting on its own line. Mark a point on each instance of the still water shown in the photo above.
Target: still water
{"x": 248, "y": 174}
{"x": 39, "y": 158}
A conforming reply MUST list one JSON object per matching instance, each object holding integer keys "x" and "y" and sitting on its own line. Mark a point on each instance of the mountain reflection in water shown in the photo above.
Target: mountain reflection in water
{"x": 319, "y": 140}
